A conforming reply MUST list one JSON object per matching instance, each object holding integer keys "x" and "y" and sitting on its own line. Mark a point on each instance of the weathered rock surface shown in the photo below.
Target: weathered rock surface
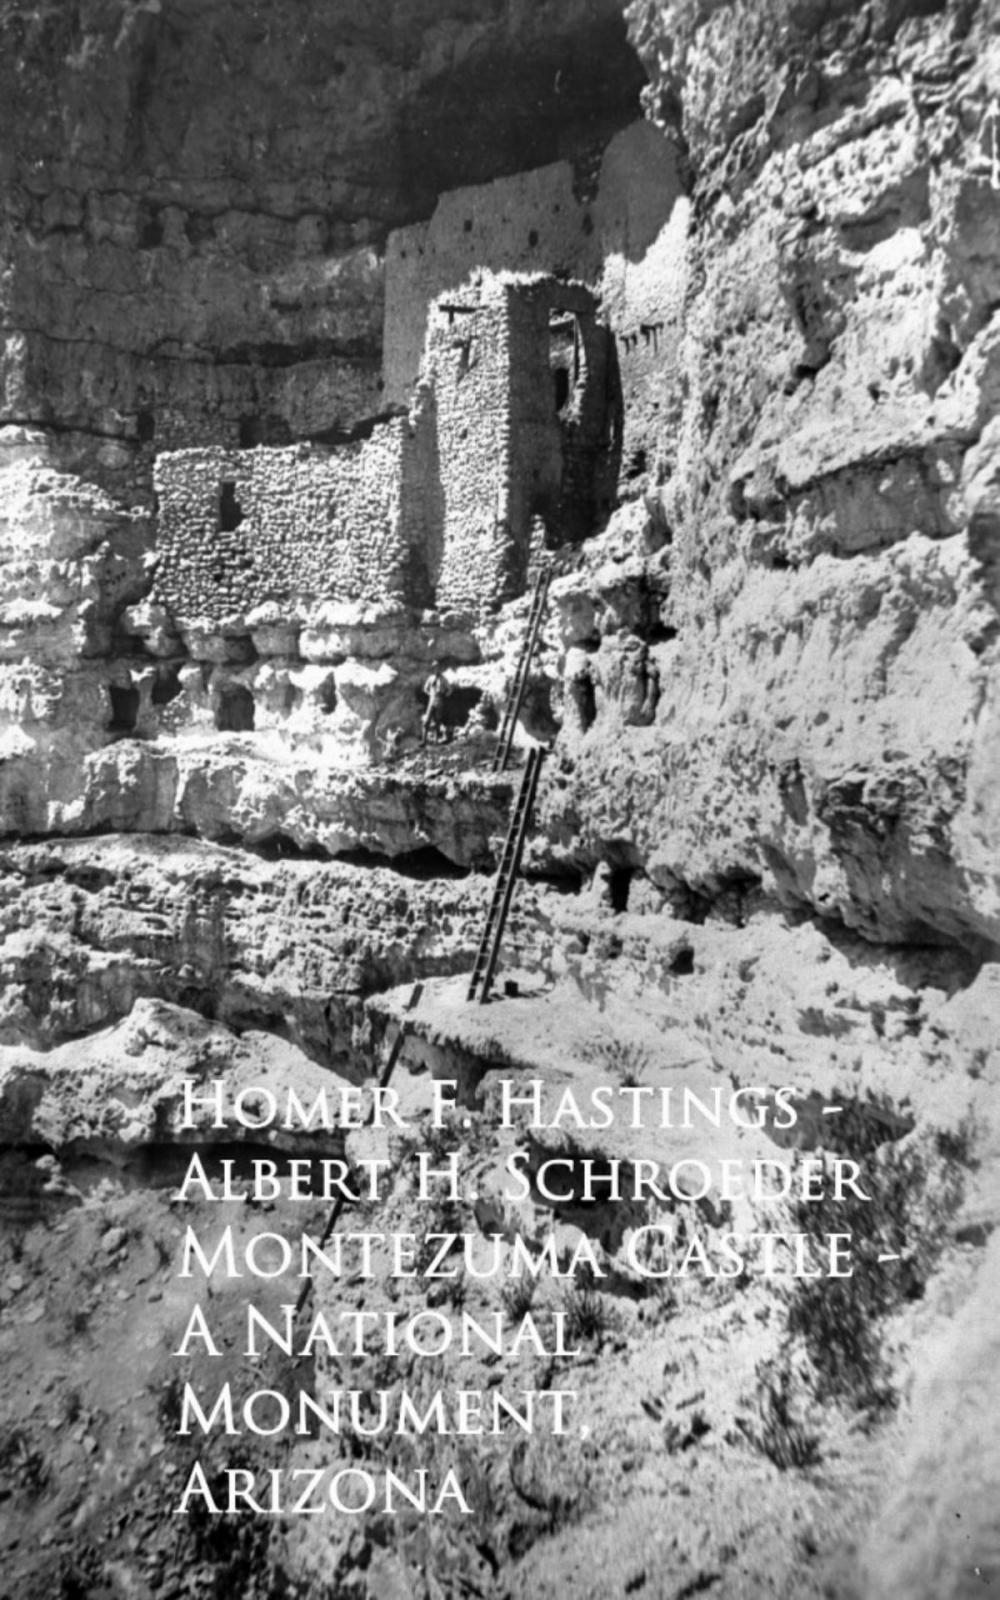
{"x": 290, "y": 946}
{"x": 122, "y": 1088}
{"x": 938, "y": 1533}
{"x": 231, "y": 791}
{"x": 827, "y": 657}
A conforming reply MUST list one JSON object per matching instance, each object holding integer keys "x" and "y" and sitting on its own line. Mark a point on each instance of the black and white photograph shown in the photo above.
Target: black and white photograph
{"x": 499, "y": 799}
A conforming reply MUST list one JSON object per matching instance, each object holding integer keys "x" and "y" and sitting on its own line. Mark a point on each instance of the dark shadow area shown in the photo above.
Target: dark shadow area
{"x": 421, "y": 487}
{"x": 356, "y": 432}
{"x": 167, "y": 686}
{"x": 565, "y": 879}
{"x": 424, "y": 864}
{"x": 235, "y": 710}
{"x": 149, "y": 229}
{"x": 124, "y": 709}
{"x": 581, "y": 692}
{"x": 279, "y": 847}
{"x": 510, "y": 110}
{"x": 457, "y": 705}
{"x": 230, "y": 510}
{"x": 269, "y": 429}
{"x": 619, "y": 884}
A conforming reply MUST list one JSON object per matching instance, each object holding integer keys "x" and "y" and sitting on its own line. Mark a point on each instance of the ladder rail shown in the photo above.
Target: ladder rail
{"x": 497, "y": 891}
{"x": 509, "y": 859}
{"x": 488, "y": 948}
{"x": 515, "y": 698}
{"x": 530, "y": 785}
{"x": 519, "y": 683}
{"x": 507, "y": 855}
{"x": 484, "y": 939}
{"x": 488, "y": 951}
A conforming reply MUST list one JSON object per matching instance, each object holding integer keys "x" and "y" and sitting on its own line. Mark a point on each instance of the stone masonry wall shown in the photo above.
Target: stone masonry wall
{"x": 312, "y": 524}
{"x": 468, "y": 364}
{"x": 487, "y": 427}
{"x": 433, "y": 509}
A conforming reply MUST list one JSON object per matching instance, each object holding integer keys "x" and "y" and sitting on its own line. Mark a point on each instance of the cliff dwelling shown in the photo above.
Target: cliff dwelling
{"x": 510, "y": 447}
{"x": 509, "y": 451}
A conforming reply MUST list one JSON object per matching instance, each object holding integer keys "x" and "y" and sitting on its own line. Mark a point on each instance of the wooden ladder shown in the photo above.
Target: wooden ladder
{"x": 515, "y": 694}
{"x": 488, "y": 952}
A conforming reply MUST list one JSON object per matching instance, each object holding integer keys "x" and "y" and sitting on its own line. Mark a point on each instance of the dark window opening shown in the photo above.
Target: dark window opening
{"x": 124, "y": 708}
{"x": 533, "y": 237}
{"x": 235, "y": 710}
{"x": 459, "y": 702}
{"x": 327, "y": 698}
{"x": 637, "y": 465}
{"x": 619, "y": 883}
{"x": 198, "y": 229}
{"x": 268, "y": 428}
{"x": 167, "y": 686}
{"x": 275, "y": 847}
{"x": 240, "y": 647}
{"x": 230, "y": 511}
{"x": 150, "y": 228}
{"x": 125, "y": 643}
{"x": 423, "y": 864}
{"x": 564, "y": 356}
{"x": 145, "y": 426}
{"x": 467, "y": 225}
{"x": 661, "y": 633}
{"x": 683, "y": 963}
{"x": 584, "y": 700}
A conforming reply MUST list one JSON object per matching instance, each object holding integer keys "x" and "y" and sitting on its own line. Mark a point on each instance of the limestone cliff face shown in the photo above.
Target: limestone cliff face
{"x": 828, "y": 717}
